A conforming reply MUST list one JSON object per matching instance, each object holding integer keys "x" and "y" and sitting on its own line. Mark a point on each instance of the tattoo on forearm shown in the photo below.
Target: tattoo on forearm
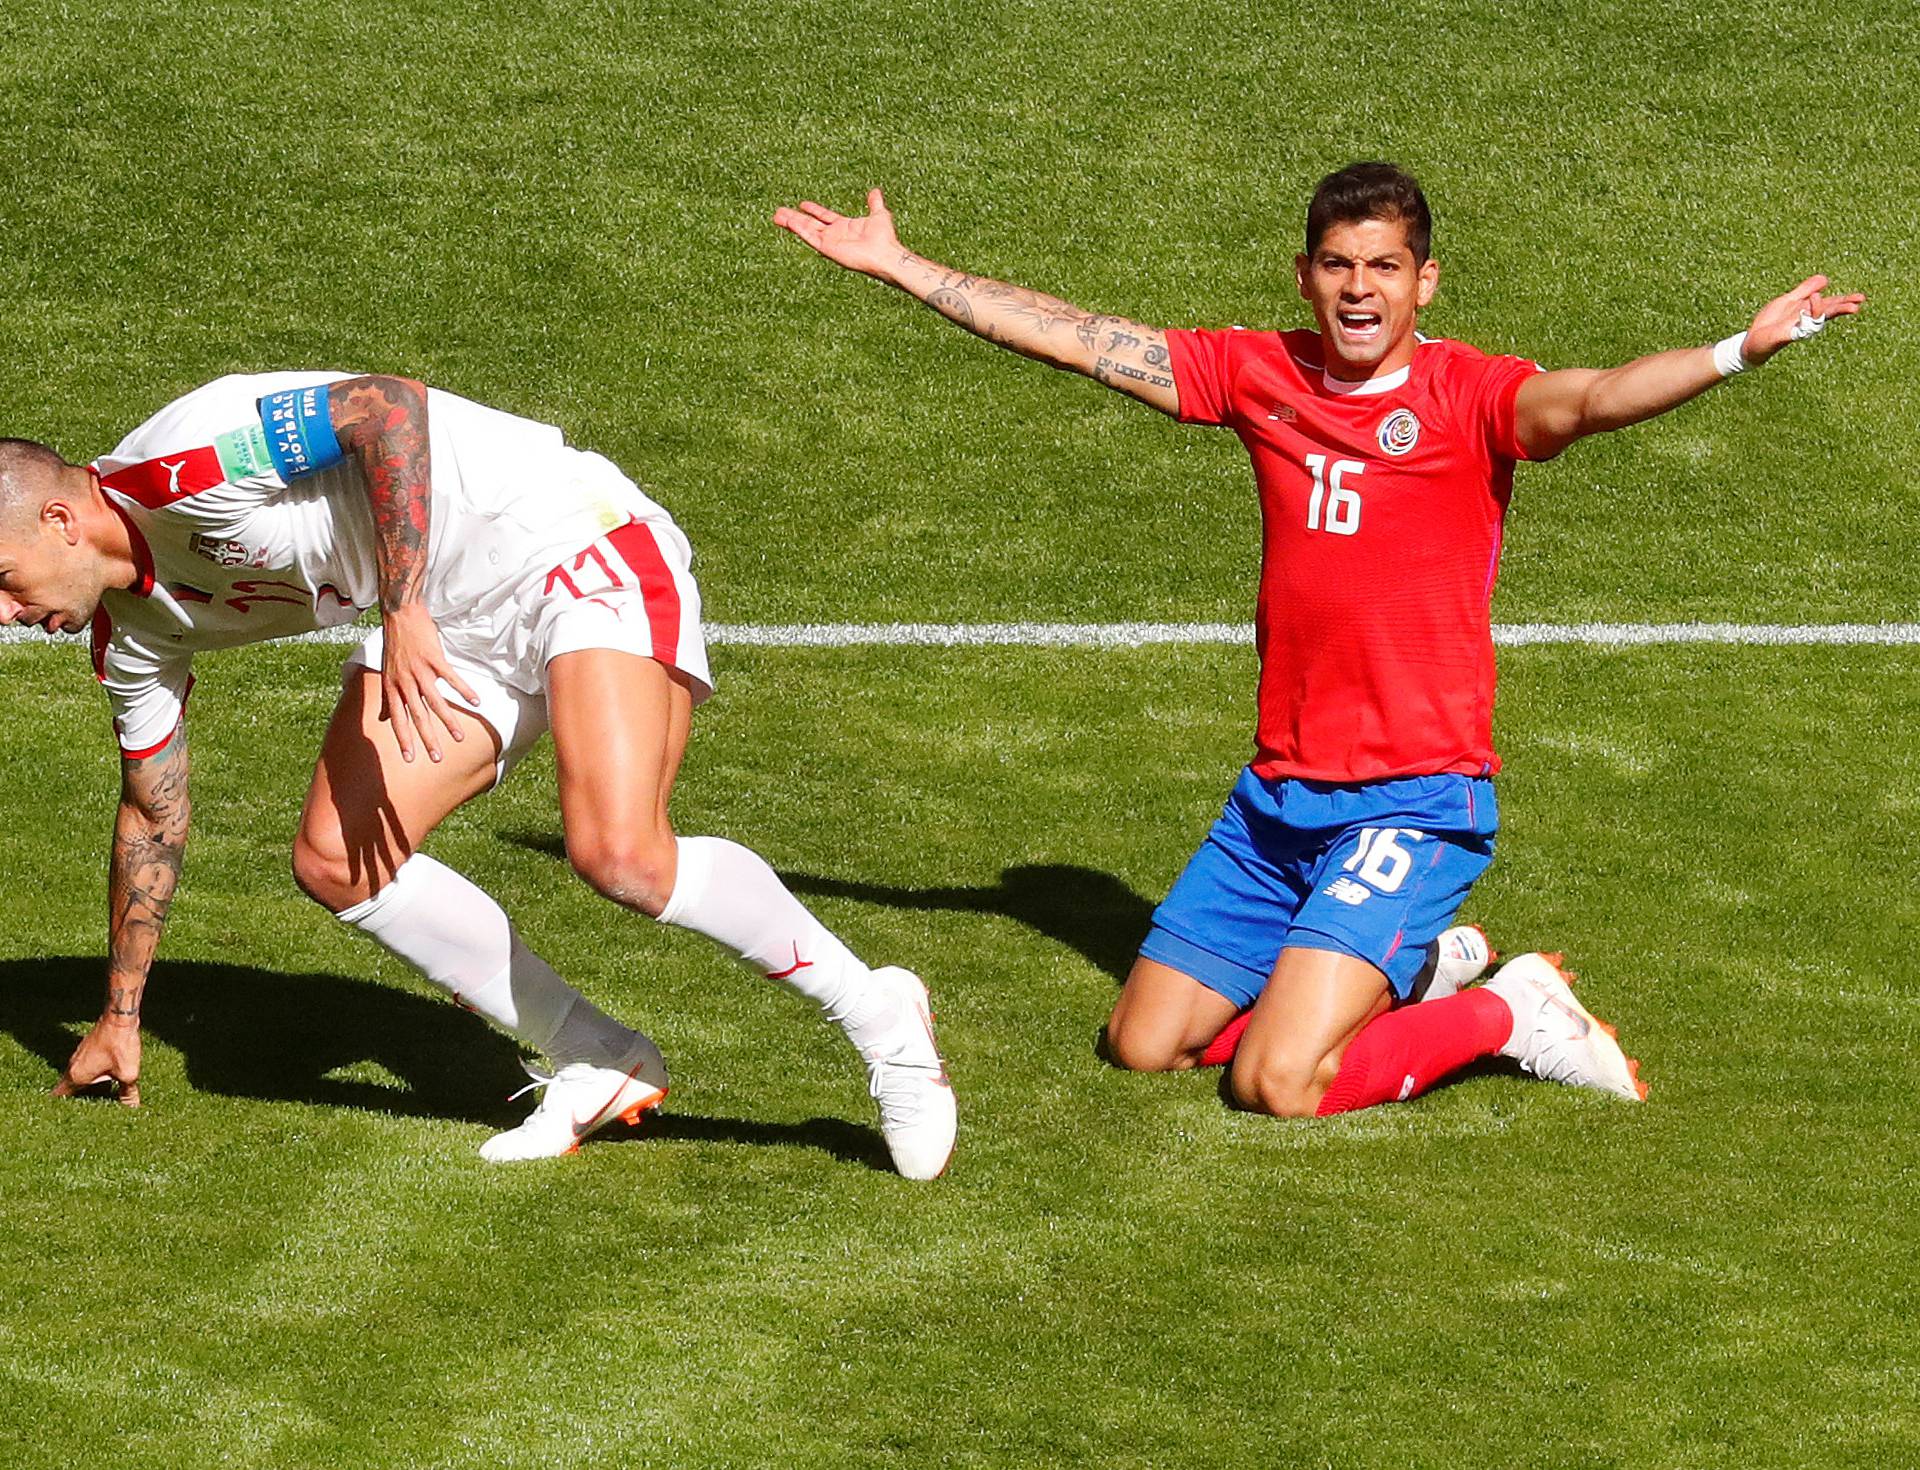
{"x": 1122, "y": 354}
{"x": 383, "y": 421}
{"x": 953, "y": 305}
{"x": 149, "y": 846}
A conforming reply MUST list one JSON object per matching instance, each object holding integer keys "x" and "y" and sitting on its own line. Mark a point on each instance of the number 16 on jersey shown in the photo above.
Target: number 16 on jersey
{"x": 1331, "y": 494}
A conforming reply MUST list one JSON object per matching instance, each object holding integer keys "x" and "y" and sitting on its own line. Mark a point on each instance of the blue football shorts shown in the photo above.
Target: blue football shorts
{"x": 1374, "y": 870}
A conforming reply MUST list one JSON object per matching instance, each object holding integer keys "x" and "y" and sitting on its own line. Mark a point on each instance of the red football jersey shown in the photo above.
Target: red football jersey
{"x": 1382, "y": 511}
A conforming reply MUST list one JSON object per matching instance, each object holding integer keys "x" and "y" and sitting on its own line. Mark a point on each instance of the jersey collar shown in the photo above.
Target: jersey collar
{"x": 1366, "y": 387}
{"x": 136, "y": 541}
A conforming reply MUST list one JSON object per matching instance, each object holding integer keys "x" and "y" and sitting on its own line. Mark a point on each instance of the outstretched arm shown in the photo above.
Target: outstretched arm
{"x": 382, "y": 421}
{"x": 1554, "y": 409}
{"x": 1109, "y": 349}
{"x": 149, "y": 843}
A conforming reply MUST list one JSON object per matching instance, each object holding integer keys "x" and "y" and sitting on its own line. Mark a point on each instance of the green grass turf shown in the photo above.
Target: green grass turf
{"x": 293, "y": 1255}
{"x": 563, "y": 209}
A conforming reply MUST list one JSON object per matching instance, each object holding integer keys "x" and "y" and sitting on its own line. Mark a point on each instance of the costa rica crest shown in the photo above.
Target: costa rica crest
{"x": 1399, "y": 431}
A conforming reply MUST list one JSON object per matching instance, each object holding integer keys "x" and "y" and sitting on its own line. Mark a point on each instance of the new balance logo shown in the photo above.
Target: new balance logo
{"x": 1347, "y": 891}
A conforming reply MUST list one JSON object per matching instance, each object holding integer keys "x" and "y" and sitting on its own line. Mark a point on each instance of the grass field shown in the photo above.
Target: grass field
{"x": 293, "y": 1257}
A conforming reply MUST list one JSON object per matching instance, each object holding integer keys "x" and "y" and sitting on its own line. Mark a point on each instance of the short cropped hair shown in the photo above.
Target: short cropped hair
{"x": 1371, "y": 191}
{"x": 27, "y": 469}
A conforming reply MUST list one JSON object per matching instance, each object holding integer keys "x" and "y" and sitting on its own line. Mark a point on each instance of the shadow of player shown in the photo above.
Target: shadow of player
{"x": 278, "y": 1037}
{"x": 1086, "y": 910}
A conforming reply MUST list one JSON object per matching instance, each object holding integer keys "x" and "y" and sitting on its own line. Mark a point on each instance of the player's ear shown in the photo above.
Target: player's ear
{"x": 1300, "y": 264}
{"x": 1429, "y": 281}
{"x": 59, "y": 517}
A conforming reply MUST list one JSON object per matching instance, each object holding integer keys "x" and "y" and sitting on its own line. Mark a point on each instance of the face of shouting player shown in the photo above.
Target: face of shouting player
{"x": 1366, "y": 290}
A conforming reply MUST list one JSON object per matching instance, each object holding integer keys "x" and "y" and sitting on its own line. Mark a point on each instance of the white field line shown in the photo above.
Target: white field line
{"x": 1138, "y": 635}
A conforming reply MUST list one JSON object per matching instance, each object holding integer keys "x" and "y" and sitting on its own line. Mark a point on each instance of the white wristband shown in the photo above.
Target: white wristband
{"x": 1729, "y": 356}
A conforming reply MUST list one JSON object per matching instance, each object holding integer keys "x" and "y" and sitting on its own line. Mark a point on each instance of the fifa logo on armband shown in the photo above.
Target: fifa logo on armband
{"x": 1399, "y": 431}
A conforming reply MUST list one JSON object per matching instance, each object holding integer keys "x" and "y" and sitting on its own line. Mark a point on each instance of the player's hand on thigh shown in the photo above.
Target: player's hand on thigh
{"x": 412, "y": 665}
{"x": 108, "y": 1057}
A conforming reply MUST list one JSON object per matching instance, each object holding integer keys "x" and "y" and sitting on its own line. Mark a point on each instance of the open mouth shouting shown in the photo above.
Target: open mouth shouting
{"x": 1359, "y": 325}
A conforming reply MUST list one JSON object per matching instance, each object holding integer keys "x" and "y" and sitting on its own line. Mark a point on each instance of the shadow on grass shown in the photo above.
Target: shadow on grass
{"x": 848, "y": 1142}
{"x": 276, "y": 1037}
{"x": 1086, "y": 910}
{"x": 248, "y": 1032}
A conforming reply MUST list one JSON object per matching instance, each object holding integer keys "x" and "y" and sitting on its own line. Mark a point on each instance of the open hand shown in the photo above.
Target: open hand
{"x": 107, "y": 1061}
{"x": 412, "y": 664}
{"x": 864, "y": 243}
{"x": 1773, "y": 328}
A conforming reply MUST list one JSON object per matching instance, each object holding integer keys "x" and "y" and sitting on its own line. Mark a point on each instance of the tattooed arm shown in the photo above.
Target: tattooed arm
{"x": 382, "y": 423}
{"x": 1109, "y": 349}
{"x": 149, "y": 842}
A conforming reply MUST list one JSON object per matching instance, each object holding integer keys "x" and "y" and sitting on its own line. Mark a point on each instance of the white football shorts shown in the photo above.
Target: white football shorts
{"x": 631, "y": 591}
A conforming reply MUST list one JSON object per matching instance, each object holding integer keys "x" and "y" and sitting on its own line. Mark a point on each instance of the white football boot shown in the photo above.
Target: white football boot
{"x": 918, "y": 1116}
{"x": 579, "y": 1099}
{"x": 1557, "y": 1038}
{"x": 1458, "y": 957}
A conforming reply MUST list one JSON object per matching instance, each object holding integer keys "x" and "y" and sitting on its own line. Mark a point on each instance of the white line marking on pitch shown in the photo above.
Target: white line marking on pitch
{"x": 1140, "y": 635}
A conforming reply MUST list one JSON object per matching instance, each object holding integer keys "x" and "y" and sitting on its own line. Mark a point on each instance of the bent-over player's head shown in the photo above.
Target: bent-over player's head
{"x": 1368, "y": 266}
{"x": 51, "y": 573}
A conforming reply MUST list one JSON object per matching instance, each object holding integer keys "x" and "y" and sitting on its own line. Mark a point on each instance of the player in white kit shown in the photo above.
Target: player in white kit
{"x": 524, "y": 585}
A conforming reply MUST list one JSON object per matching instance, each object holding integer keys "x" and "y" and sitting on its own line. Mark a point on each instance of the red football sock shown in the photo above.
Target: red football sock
{"x": 1403, "y": 1053}
{"x": 1221, "y": 1049}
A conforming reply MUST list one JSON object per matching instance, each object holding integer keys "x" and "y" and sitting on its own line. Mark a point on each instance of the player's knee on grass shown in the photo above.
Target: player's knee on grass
{"x": 1138, "y": 1046}
{"x": 1278, "y": 1085}
{"x": 632, "y": 866}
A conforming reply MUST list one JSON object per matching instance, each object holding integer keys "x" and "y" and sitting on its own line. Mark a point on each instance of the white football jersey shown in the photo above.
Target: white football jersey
{"x": 237, "y": 542}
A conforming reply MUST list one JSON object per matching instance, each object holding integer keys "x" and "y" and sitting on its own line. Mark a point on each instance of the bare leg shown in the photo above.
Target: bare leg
{"x": 1164, "y": 1019}
{"x": 619, "y": 728}
{"x": 368, "y": 809}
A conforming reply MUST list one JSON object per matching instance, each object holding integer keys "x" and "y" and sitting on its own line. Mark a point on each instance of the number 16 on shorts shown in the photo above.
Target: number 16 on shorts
{"x": 1380, "y": 860}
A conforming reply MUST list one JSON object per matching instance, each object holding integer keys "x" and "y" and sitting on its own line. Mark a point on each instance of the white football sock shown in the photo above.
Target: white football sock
{"x": 459, "y": 938}
{"x": 730, "y": 894}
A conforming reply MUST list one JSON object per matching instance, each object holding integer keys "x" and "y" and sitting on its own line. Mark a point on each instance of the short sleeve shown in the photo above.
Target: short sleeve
{"x": 1202, "y": 374}
{"x": 147, "y": 690}
{"x": 1499, "y": 386}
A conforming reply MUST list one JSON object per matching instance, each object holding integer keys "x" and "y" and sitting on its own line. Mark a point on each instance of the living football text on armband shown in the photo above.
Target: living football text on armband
{"x": 299, "y": 425}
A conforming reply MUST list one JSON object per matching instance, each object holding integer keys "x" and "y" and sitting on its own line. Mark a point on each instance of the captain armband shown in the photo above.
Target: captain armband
{"x": 299, "y": 425}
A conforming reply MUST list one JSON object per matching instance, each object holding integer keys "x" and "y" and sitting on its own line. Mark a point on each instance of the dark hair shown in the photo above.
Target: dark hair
{"x": 1371, "y": 191}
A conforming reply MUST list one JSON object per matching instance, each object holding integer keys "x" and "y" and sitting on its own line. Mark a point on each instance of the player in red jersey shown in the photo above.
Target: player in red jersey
{"x": 1384, "y": 462}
